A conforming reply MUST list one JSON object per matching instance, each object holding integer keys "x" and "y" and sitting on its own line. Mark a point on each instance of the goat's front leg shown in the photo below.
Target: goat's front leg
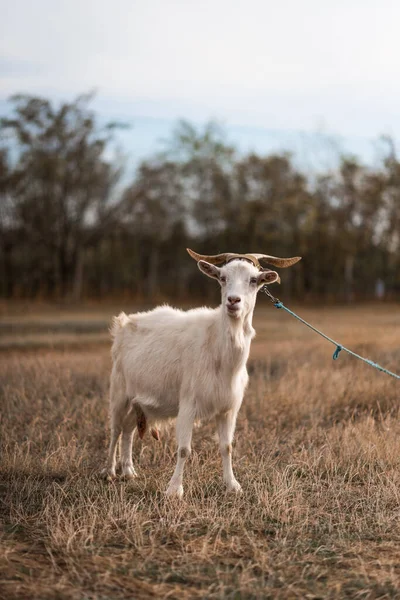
{"x": 226, "y": 426}
{"x": 184, "y": 427}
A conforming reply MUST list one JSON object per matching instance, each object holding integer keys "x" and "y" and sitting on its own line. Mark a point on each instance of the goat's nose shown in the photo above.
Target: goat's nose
{"x": 233, "y": 299}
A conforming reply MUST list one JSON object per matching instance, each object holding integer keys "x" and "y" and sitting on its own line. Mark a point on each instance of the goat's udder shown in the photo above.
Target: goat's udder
{"x": 141, "y": 424}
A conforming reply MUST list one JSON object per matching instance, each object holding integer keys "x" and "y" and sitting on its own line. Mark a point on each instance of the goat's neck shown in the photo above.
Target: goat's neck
{"x": 235, "y": 334}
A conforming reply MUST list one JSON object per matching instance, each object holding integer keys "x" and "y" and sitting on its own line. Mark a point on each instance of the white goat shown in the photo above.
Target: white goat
{"x": 187, "y": 364}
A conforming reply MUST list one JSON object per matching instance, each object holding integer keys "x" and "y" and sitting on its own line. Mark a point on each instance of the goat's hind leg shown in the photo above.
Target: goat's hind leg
{"x": 128, "y": 426}
{"x": 119, "y": 406}
{"x": 110, "y": 470}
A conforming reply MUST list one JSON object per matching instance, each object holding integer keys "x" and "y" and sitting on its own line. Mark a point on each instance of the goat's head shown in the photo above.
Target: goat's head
{"x": 240, "y": 277}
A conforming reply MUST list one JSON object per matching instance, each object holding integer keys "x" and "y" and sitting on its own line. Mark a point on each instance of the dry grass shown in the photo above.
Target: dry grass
{"x": 317, "y": 452}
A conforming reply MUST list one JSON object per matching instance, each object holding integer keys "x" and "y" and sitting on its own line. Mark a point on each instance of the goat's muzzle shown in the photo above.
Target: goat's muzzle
{"x": 233, "y": 305}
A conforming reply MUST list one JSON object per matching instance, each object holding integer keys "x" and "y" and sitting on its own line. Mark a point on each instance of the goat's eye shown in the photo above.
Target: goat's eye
{"x": 222, "y": 279}
{"x": 253, "y": 280}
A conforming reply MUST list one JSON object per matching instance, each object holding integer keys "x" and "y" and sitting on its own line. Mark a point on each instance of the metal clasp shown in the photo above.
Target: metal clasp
{"x": 270, "y": 296}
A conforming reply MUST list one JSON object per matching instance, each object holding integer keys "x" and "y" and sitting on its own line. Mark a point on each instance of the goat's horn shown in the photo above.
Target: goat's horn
{"x": 220, "y": 259}
{"x": 277, "y": 262}
{"x": 216, "y": 259}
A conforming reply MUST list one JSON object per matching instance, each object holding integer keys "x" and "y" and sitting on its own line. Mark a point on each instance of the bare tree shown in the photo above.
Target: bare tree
{"x": 63, "y": 188}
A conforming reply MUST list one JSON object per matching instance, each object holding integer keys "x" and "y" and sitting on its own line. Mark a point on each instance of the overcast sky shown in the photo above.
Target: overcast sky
{"x": 292, "y": 64}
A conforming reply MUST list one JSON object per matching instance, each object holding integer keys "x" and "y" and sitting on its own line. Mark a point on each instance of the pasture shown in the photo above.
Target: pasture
{"x": 316, "y": 450}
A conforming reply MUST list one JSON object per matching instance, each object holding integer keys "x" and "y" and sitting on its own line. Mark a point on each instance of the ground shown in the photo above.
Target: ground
{"x": 317, "y": 452}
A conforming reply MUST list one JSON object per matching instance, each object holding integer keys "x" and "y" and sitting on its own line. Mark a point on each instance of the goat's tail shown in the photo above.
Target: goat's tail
{"x": 117, "y": 323}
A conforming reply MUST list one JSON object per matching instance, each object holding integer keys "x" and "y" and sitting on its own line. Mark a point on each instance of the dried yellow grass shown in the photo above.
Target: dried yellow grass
{"x": 317, "y": 451}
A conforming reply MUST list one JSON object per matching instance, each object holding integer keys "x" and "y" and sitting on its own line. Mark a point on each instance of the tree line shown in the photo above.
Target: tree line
{"x": 72, "y": 225}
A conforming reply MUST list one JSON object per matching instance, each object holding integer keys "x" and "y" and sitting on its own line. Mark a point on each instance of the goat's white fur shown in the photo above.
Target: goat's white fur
{"x": 185, "y": 364}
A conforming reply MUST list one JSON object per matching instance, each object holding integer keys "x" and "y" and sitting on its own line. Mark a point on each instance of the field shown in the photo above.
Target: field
{"x": 317, "y": 452}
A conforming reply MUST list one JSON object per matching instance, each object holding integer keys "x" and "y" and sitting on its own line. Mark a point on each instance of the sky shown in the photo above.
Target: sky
{"x": 329, "y": 66}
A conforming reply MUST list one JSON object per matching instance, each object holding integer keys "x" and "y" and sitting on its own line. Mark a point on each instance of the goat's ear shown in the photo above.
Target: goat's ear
{"x": 209, "y": 269}
{"x": 268, "y": 277}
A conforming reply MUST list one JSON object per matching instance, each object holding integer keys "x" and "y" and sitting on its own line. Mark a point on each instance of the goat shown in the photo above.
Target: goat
{"x": 187, "y": 364}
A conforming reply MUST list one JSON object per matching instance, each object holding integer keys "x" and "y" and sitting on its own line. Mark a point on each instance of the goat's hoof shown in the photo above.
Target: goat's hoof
{"x": 128, "y": 473}
{"x": 108, "y": 474}
{"x": 174, "y": 491}
{"x": 234, "y": 487}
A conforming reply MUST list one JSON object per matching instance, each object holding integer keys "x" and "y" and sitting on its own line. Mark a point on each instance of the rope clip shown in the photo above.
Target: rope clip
{"x": 337, "y": 352}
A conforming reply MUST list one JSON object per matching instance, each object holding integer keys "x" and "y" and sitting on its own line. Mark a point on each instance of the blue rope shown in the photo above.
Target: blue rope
{"x": 339, "y": 347}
